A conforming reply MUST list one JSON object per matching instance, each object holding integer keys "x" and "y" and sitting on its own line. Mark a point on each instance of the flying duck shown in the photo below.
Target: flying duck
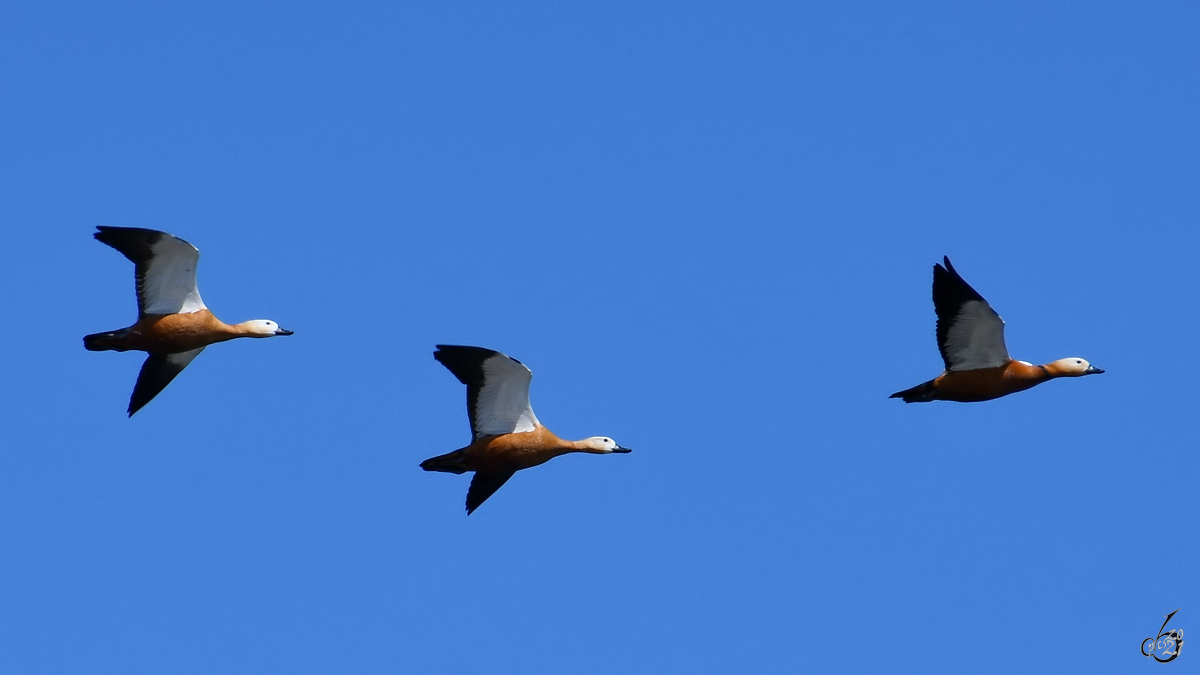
{"x": 970, "y": 336}
{"x": 506, "y": 435}
{"x": 173, "y": 324}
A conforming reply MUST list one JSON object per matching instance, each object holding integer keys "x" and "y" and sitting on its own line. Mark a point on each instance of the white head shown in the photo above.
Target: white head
{"x": 262, "y": 328}
{"x": 601, "y": 445}
{"x": 1072, "y": 367}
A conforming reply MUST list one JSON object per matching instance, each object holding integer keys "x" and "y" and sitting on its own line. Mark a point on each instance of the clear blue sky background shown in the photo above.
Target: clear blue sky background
{"x": 708, "y": 229}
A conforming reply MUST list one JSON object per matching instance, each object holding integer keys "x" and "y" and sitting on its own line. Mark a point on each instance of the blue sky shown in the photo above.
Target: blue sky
{"x": 709, "y": 230}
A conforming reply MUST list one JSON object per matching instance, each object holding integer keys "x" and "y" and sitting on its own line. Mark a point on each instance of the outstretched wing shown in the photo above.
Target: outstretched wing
{"x": 164, "y": 266}
{"x": 157, "y": 372}
{"x": 484, "y": 485}
{"x": 497, "y": 389}
{"x": 970, "y": 333}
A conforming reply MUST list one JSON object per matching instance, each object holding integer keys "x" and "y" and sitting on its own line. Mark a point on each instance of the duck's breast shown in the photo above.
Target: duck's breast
{"x": 172, "y": 333}
{"x": 985, "y": 384}
{"x": 518, "y": 451}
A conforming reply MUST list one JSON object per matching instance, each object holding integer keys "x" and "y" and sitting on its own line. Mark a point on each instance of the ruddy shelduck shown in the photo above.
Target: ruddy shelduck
{"x": 506, "y": 435}
{"x": 173, "y": 324}
{"x": 970, "y": 336}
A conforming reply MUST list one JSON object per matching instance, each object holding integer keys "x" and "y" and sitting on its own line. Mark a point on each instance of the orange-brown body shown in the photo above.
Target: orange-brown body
{"x": 168, "y": 334}
{"x": 508, "y": 452}
{"x": 984, "y": 384}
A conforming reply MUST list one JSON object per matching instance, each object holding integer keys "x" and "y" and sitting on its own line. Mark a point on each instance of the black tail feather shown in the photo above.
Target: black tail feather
{"x": 101, "y": 342}
{"x": 451, "y": 462}
{"x": 922, "y": 393}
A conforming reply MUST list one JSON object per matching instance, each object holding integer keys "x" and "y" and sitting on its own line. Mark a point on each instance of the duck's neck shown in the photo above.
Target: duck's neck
{"x": 550, "y": 442}
{"x": 585, "y": 446}
{"x": 237, "y": 330}
{"x": 1026, "y": 371}
{"x": 1052, "y": 371}
{"x": 219, "y": 329}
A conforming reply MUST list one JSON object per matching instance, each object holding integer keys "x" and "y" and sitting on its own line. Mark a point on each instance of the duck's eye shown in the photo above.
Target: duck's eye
{"x": 1079, "y": 362}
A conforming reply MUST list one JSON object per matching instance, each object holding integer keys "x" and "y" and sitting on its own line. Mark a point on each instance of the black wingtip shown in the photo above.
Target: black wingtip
{"x": 484, "y": 485}
{"x": 945, "y": 267}
{"x": 473, "y": 504}
{"x": 133, "y": 242}
{"x": 466, "y": 363}
{"x": 950, "y": 288}
{"x": 135, "y": 404}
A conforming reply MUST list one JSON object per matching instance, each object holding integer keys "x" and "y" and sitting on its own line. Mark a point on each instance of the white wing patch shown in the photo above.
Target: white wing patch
{"x": 503, "y": 403}
{"x": 169, "y": 284}
{"x": 976, "y": 338}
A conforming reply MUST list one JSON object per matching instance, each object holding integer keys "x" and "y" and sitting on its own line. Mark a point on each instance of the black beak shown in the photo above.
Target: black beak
{"x": 620, "y": 449}
{"x": 284, "y": 332}
{"x": 1092, "y": 370}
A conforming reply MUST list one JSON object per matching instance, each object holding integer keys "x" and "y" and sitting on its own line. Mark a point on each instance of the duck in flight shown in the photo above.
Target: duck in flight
{"x": 173, "y": 324}
{"x": 970, "y": 336}
{"x": 506, "y": 435}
